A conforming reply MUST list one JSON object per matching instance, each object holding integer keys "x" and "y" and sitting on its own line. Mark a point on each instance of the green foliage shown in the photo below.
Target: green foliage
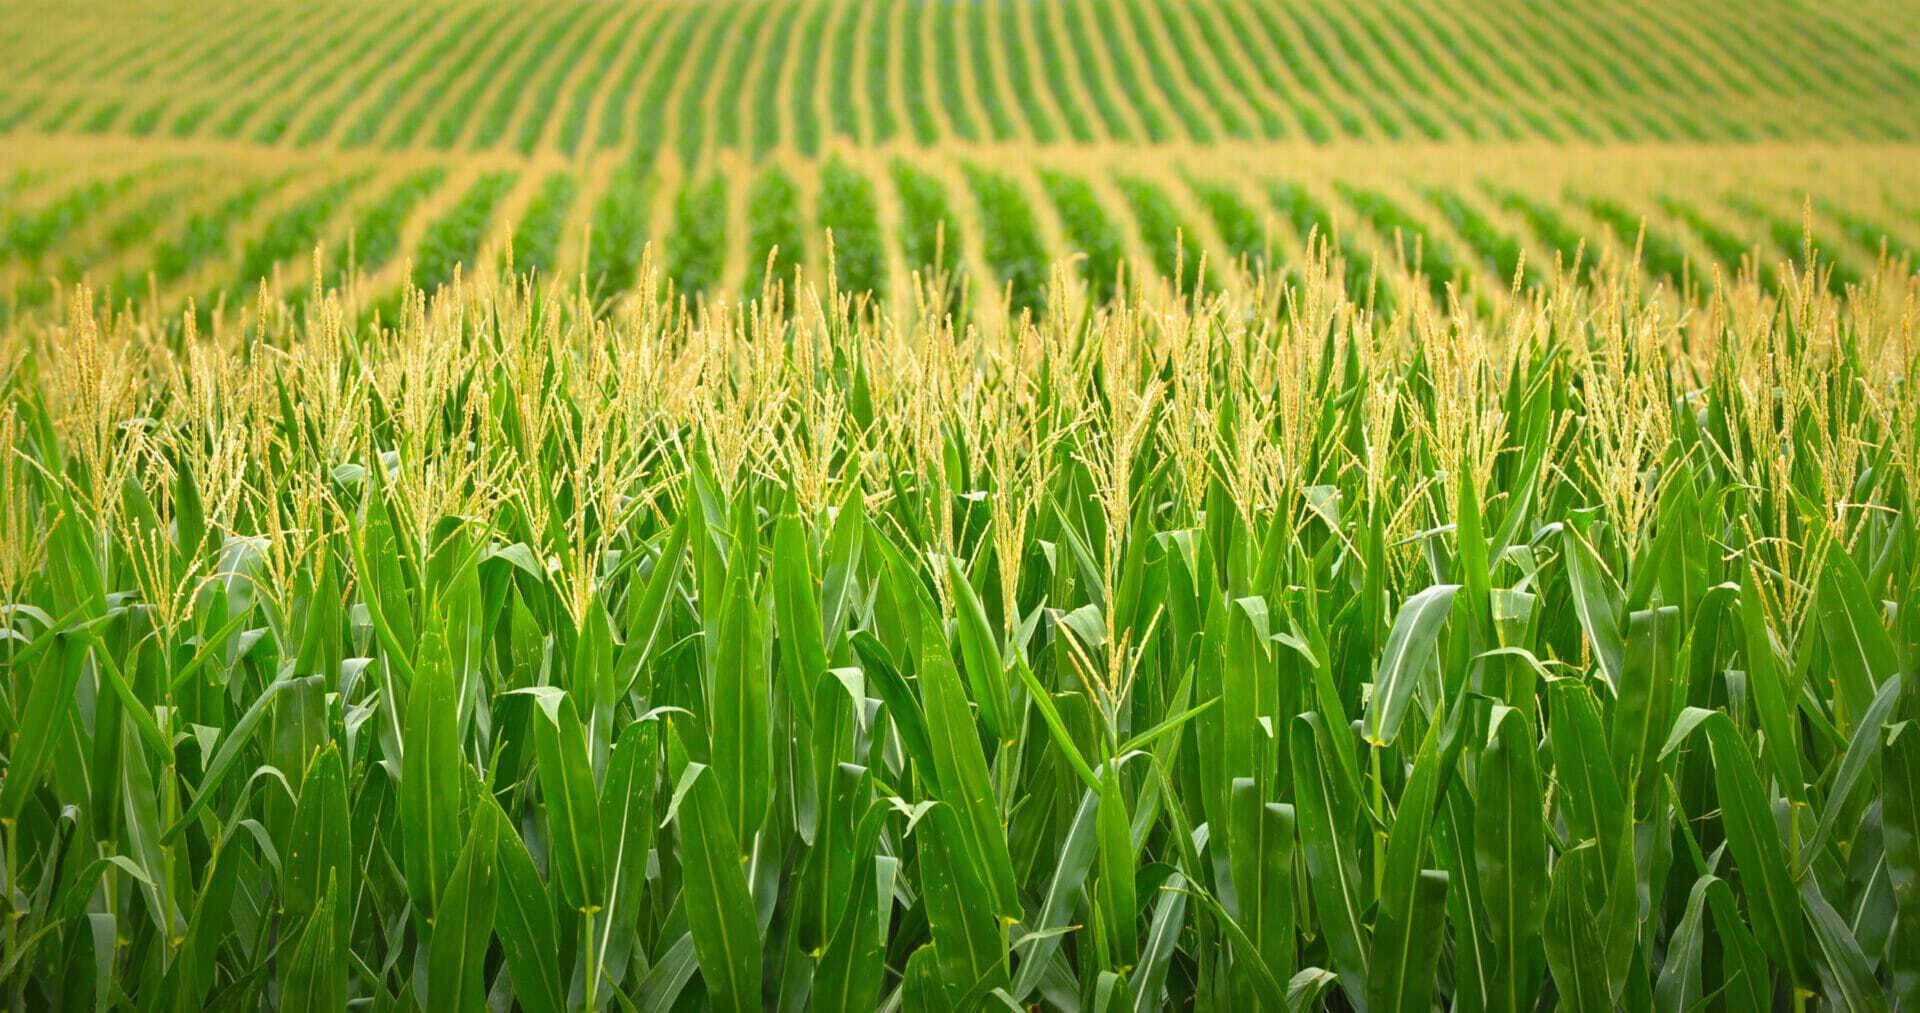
{"x": 1661, "y": 254}
{"x": 1313, "y": 221}
{"x": 929, "y": 230}
{"x": 705, "y": 63}
{"x": 376, "y": 236}
{"x": 775, "y": 230}
{"x": 1051, "y": 60}
{"x": 844, "y": 115}
{"x": 1089, "y": 231}
{"x": 696, "y": 248}
{"x": 650, "y": 133}
{"x": 455, "y": 113}
{"x": 767, "y": 118}
{"x": 1181, "y": 49}
{"x": 323, "y": 120}
{"x": 454, "y": 238}
{"x": 1869, "y": 234}
{"x": 1415, "y": 245}
{"x": 981, "y": 30}
{"x": 878, "y": 19}
{"x": 850, "y": 210}
{"x": 554, "y": 69}
{"x": 1240, "y": 226}
{"x": 1798, "y": 243}
{"x": 1561, "y": 239}
{"x": 1010, "y": 237}
{"x": 943, "y": 68}
{"x": 1086, "y": 51}
{"x": 1266, "y": 662}
{"x": 536, "y": 240}
{"x": 1499, "y": 251}
{"x": 803, "y": 124}
{"x": 619, "y": 231}
{"x": 1170, "y": 243}
{"x": 396, "y": 89}
{"x": 1733, "y": 253}
{"x": 30, "y": 235}
{"x": 205, "y": 234}
{"x": 295, "y": 230}
{"x": 742, "y": 43}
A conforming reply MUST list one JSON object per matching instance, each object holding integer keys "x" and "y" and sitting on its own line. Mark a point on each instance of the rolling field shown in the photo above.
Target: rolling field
{"x": 198, "y": 149}
{"x": 1071, "y": 505}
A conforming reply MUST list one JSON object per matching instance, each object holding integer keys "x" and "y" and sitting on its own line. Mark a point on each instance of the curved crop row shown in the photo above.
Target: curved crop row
{"x": 849, "y": 209}
{"x": 1090, "y": 231}
{"x": 536, "y": 240}
{"x": 775, "y": 231}
{"x": 454, "y": 238}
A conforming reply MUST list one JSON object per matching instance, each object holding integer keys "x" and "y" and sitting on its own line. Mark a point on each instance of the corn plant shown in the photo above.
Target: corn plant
{"x": 1183, "y": 654}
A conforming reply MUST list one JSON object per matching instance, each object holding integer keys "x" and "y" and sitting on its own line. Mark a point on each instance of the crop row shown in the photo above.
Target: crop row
{"x": 742, "y": 75}
{"x": 892, "y": 220}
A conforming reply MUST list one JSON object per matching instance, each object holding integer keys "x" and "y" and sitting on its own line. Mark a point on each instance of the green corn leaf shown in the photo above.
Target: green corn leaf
{"x": 1862, "y": 749}
{"x": 576, "y": 862}
{"x": 1679, "y": 987}
{"x": 320, "y": 848}
{"x": 968, "y": 941}
{"x": 1407, "y": 931}
{"x": 1510, "y": 856}
{"x": 962, "y": 770}
{"x": 627, "y": 819}
{"x": 1408, "y": 655}
{"x": 1752, "y": 836}
{"x": 1043, "y": 933}
{"x": 1644, "y": 704}
{"x": 1594, "y": 806}
{"x": 1306, "y": 989}
{"x": 1861, "y": 648}
{"x": 1596, "y": 602}
{"x": 981, "y": 654}
{"x": 714, "y": 894}
{"x": 1261, "y": 850}
{"x": 851, "y": 970}
{"x": 50, "y": 685}
{"x": 1329, "y": 841}
{"x": 463, "y": 926}
{"x": 432, "y": 777}
{"x": 1845, "y": 973}
{"x": 1576, "y": 953}
{"x": 742, "y": 744}
{"x": 666, "y": 979}
{"x": 1116, "y": 867}
{"x": 1149, "y": 978}
{"x": 1900, "y": 817}
{"x": 523, "y": 917}
{"x": 1746, "y": 982}
{"x": 1767, "y": 679}
{"x": 315, "y": 978}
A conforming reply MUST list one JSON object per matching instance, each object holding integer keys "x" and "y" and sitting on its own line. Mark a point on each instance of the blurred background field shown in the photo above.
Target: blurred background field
{"x": 196, "y": 149}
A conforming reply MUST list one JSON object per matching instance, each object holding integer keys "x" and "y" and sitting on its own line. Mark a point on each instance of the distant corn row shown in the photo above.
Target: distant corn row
{"x": 681, "y": 81}
{"x": 977, "y": 225}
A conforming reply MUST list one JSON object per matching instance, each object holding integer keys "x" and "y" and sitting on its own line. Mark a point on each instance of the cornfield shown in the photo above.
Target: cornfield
{"x": 169, "y": 152}
{"x": 957, "y": 505}
{"x": 1249, "y": 648}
